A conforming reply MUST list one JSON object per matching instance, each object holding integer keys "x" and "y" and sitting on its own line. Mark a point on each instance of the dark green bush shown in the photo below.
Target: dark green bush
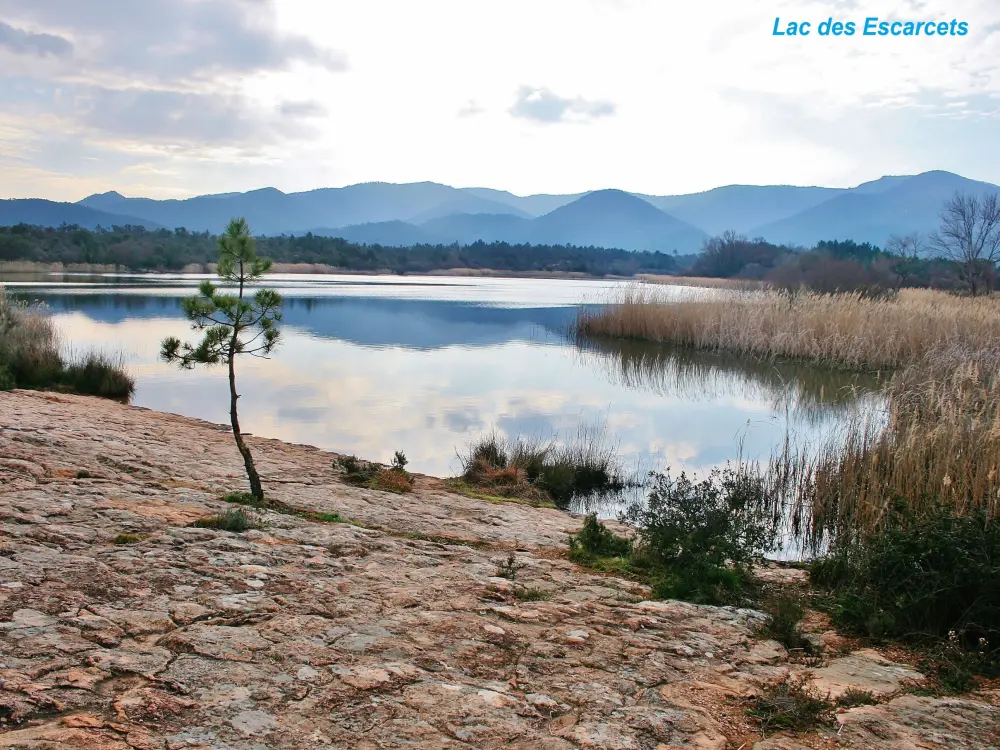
{"x": 785, "y": 611}
{"x": 700, "y": 539}
{"x": 931, "y": 577}
{"x": 597, "y": 540}
{"x": 6, "y": 379}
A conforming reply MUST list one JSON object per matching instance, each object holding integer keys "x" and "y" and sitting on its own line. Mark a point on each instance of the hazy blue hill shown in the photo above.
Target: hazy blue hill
{"x": 466, "y": 203}
{"x": 881, "y": 184}
{"x": 52, "y": 214}
{"x": 370, "y": 202}
{"x": 533, "y": 205}
{"x": 614, "y": 218}
{"x": 912, "y": 205}
{"x": 468, "y": 228}
{"x": 740, "y": 207}
{"x": 269, "y": 210}
{"x": 388, "y": 233}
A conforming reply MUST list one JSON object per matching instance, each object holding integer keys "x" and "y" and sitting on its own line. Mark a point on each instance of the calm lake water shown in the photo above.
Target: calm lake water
{"x": 369, "y": 365}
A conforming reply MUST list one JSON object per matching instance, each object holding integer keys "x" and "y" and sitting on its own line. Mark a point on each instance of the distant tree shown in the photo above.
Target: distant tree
{"x": 728, "y": 254}
{"x": 970, "y": 236}
{"x": 234, "y": 324}
{"x": 848, "y": 249}
{"x": 905, "y": 251}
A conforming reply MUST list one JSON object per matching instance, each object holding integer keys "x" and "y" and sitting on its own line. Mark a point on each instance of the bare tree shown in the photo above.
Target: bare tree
{"x": 906, "y": 250}
{"x": 970, "y": 236}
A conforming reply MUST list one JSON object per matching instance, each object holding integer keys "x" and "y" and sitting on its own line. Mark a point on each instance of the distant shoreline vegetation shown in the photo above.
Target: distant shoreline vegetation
{"x": 828, "y": 267}
{"x": 139, "y": 249}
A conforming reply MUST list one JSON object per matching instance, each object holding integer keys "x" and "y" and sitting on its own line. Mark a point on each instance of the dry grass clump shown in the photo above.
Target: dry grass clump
{"x": 30, "y": 357}
{"x": 29, "y": 346}
{"x": 845, "y": 330}
{"x": 586, "y": 467}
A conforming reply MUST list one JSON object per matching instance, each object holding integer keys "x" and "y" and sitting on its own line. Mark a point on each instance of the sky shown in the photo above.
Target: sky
{"x": 173, "y": 98}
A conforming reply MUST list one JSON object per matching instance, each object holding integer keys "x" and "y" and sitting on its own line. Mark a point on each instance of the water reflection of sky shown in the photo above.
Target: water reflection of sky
{"x": 369, "y": 365}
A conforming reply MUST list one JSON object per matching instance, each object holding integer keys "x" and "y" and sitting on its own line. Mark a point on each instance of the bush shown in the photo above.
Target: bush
{"x": 696, "y": 541}
{"x": 784, "y": 616}
{"x": 596, "y": 540}
{"x": 585, "y": 468}
{"x": 700, "y": 539}
{"x": 97, "y": 374}
{"x": 935, "y": 575}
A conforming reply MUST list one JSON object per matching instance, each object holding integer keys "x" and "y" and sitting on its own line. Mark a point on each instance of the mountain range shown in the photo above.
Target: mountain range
{"x": 428, "y": 212}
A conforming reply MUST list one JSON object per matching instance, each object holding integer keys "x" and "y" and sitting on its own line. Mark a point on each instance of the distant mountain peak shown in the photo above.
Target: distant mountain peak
{"x": 110, "y": 194}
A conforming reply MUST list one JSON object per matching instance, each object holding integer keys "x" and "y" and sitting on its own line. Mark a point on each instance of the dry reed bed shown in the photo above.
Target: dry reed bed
{"x": 939, "y": 444}
{"x": 844, "y": 330}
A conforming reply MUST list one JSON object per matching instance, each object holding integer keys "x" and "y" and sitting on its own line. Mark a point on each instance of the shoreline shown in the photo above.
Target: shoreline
{"x": 32, "y": 267}
{"x": 285, "y": 634}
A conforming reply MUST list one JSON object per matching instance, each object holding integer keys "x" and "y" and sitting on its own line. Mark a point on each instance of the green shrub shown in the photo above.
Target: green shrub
{"x": 700, "y": 539}
{"x": 243, "y": 498}
{"x": 236, "y": 520}
{"x": 596, "y": 540}
{"x": 508, "y": 567}
{"x": 6, "y": 379}
{"x": 377, "y": 476}
{"x": 932, "y": 576}
{"x": 785, "y": 611}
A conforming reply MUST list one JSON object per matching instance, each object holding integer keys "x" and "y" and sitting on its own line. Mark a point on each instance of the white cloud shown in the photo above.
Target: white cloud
{"x": 676, "y": 97}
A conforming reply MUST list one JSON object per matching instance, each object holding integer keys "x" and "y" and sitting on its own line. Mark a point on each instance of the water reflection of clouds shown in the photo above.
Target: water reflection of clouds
{"x": 432, "y": 376}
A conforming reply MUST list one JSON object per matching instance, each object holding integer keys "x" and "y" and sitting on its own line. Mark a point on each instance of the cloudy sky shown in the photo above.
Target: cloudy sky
{"x": 171, "y": 98}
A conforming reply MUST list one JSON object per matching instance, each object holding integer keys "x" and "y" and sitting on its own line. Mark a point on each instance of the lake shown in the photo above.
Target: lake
{"x": 373, "y": 364}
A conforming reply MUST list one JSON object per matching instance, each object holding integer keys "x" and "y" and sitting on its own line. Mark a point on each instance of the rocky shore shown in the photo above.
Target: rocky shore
{"x": 390, "y": 631}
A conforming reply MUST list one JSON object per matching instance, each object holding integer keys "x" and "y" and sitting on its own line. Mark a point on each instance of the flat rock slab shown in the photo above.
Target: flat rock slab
{"x": 863, "y": 670}
{"x": 392, "y": 631}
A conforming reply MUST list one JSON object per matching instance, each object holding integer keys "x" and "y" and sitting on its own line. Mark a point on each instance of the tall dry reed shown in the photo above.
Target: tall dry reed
{"x": 843, "y": 330}
{"x": 937, "y": 444}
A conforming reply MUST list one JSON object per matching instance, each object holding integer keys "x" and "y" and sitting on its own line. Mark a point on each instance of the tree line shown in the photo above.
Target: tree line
{"x": 961, "y": 255}
{"x": 141, "y": 249}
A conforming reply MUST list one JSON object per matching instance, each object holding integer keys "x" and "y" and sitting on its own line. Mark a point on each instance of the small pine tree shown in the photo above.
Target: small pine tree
{"x": 233, "y": 324}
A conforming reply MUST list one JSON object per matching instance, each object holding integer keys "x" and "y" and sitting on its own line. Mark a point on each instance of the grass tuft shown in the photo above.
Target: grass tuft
{"x": 130, "y": 538}
{"x": 790, "y": 704}
{"x": 376, "y": 476}
{"x": 236, "y": 520}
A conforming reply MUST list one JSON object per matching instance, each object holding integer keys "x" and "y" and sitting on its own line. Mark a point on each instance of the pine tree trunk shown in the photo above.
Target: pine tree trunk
{"x": 255, "y": 489}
